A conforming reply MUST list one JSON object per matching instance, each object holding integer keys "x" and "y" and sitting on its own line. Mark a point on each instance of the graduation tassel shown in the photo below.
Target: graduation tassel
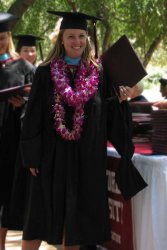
{"x": 40, "y": 51}
{"x": 95, "y": 39}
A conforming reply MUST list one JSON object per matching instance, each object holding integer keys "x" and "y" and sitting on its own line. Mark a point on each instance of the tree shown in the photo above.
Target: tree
{"x": 19, "y": 7}
{"x": 144, "y": 22}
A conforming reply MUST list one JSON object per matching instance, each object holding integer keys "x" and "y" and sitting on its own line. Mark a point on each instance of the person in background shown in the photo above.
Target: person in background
{"x": 13, "y": 72}
{"x": 135, "y": 97}
{"x": 163, "y": 87}
{"x": 27, "y": 47}
{"x": 71, "y": 113}
{"x": 162, "y": 104}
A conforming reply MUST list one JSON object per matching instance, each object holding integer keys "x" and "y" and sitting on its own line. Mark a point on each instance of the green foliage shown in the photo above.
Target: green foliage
{"x": 143, "y": 21}
{"x": 152, "y": 79}
{"x": 146, "y": 21}
{"x": 5, "y": 4}
{"x": 37, "y": 21}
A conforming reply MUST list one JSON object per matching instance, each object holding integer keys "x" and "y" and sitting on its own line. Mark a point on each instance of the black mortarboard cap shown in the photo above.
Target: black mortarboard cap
{"x": 73, "y": 20}
{"x": 5, "y": 21}
{"x": 76, "y": 20}
{"x": 28, "y": 40}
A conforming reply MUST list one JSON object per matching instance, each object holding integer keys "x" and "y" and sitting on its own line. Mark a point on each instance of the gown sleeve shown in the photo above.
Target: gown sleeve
{"x": 30, "y": 143}
{"x": 30, "y": 75}
{"x": 119, "y": 133}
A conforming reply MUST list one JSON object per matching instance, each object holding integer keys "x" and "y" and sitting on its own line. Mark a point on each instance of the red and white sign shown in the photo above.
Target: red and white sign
{"x": 120, "y": 213}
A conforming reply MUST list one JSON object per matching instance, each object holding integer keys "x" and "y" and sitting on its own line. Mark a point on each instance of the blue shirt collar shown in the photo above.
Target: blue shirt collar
{"x": 4, "y": 57}
{"x": 72, "y": 61}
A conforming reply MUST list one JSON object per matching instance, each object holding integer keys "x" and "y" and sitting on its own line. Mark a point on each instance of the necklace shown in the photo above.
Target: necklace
{"x": 86, "y": 85}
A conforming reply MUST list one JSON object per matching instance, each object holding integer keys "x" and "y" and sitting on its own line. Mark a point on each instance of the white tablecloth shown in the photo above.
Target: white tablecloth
{"x": 149, "y": 207}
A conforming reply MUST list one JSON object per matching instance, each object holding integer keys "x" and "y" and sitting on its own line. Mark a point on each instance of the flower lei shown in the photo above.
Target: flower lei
{"x": 86, "y": 85}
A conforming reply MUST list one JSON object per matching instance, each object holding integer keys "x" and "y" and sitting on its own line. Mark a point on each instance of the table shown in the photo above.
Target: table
{"x": 149, "y": 206}
{"x": 143, "y": 223}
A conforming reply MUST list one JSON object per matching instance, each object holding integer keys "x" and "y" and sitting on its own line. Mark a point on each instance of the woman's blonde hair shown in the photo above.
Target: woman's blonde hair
{"x": 58, "y": 51}
{"x": 11, "y": 48}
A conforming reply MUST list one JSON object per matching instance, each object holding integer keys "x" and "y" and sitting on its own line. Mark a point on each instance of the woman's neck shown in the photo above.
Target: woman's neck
{"x": 72, "y": 61}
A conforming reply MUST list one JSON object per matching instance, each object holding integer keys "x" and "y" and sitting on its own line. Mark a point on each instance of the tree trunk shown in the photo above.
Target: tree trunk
{"x": 18, "y": 8}
{"x": 107, "y": 37}
{"x": 72, "y": 5}
{"x": 152, "y": 48}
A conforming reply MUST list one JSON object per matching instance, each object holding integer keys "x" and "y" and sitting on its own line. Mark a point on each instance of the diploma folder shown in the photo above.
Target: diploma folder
{"x": 121, "y": 64}
{"x": 5, "y": 94}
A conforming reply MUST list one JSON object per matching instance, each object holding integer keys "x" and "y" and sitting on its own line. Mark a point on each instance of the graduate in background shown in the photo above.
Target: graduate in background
{"x": 136, "y": 96}
{"x": 13, "y": 72}
{"x": 163, "y": 87}
{"x": 162, "y": 104}
{"x": 27, "y": 47}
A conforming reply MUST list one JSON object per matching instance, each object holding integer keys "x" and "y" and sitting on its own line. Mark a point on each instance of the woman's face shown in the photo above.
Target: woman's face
{"x": 28, "y": 53}
{"x": 74, "y": 41}
{"x": 4, "y": 42}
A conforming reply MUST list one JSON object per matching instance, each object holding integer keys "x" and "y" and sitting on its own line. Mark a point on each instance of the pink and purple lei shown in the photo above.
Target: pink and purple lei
{"x": 86, "y": 85}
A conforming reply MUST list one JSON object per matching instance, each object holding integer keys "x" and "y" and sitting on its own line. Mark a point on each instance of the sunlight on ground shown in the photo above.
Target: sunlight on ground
{"x": 13, "y": 242}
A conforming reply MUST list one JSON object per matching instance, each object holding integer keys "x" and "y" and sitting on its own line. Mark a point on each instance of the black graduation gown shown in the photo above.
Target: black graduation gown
{"x": 69, "y": 195}
{"x": 13, "y": 73}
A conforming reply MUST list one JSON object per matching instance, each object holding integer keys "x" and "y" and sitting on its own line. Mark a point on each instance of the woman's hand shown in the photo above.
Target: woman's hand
{"x": 27, "y": 89}
{"x": 34, "y": 171}
{"x": 16, "y": 101}
{"x": 125, "y": 93}
{"x": 161, "y": 104}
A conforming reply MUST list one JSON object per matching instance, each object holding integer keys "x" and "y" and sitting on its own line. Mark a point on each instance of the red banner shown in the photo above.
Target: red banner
{"x": 120, "y": 213}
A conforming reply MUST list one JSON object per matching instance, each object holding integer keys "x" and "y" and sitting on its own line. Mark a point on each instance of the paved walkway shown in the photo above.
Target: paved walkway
{"x": 13, "y": 242}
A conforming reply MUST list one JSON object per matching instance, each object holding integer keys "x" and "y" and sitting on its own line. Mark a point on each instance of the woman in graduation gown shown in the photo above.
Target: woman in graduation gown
{"x": 13, "y": 72}
{"x": 70, "y": 115}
